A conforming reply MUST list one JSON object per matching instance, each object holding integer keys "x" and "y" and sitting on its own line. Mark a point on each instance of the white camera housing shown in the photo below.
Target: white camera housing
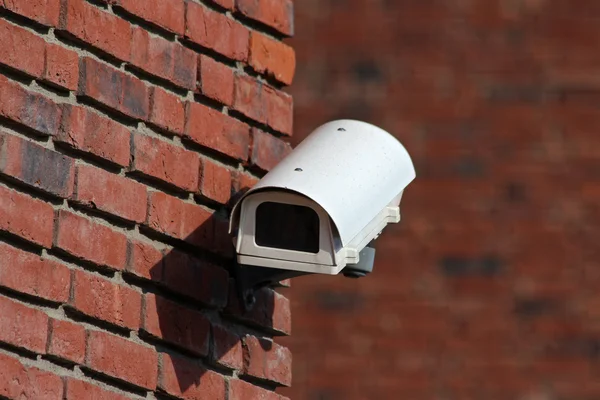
{"x": 323, "y": 203}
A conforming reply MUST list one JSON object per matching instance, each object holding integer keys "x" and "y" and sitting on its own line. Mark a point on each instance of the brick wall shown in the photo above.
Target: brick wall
{"x": 488, "y": 288}
{"x": 127, "y": 128}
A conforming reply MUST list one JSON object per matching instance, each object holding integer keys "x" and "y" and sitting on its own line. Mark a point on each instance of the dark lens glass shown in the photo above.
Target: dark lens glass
{"x": 287, "y": 226}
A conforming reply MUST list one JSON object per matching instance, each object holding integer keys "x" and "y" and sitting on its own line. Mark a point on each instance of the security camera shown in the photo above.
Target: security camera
{"x": 320, "y": 208}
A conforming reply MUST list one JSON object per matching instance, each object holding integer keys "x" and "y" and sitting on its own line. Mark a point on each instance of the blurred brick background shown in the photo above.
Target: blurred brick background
{"x": 489, "y": 287}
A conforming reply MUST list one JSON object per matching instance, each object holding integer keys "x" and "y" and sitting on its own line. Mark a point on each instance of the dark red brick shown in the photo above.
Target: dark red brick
{"x": 35, "y": 275}
{"x": 67, "y": 341}
{"x": 217, "y": 131}
{"x": 242, "y": 390}
{"x": 169, "y": 16}
{"x": 91, "y": 241}
{"x": 62, "y": 67}
{"x": 267, "y": 150}
{"x": 216, "y": 31}
{"x": 278, "y": 106}
{"x": 22, "y": 326}
{"x": 196, "y": 279}
{"x": 21, "y": 49}
{"x": 76, "y": 390}
{"x": 227, "y": 348}
{"x": 18, "y": 381}
{"x": 216, "y": 80}
{"x": 248, "y": 98}
{"x": 176, "y": 218}
{"x": 272, "y": 57}
{"x": 113, "y": 88}
{"x": 93, "y": 133}
{"x": 278, "y": 14}
{"x": 176, "y": 324}
{"x": 33, "y": 110}
{"x": 271, "y": 311}
{"x": 267, "y": 360}
{"x": 46, "y": 12}
{"x": 200, "y": 382}
{"x": 24, "y": 216}
{"x": 167, "y": 111}
{"x": 36, "y": 166}
{"x": 215, "y": 181}
{"x": 167, "y": 162}
{"x": 164, "y": 59}
{"x": 122, "y": 359}
{"x": 100, "y": 298}
{"x": 97, "y": 27}
{"x": 110, "y": 193}
{"x": 145, "y": 260}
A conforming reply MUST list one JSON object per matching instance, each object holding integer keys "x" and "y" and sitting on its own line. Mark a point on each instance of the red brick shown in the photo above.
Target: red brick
{"x": 76, "y": 390}
{"x": 100, "y": 298}
{"x": 26, "y": 217}
{"x": 271, "y": 311}
{"x": 18, "y": 381}
{"x": 32, "y": 110}
{"x": 122, "y": 359}
{"x": 91, "y": 241}
{"x": 35, "y": 276}
{"x": 200, "y": 383}
{"x": 196, "y": 278}
{"x": 267, "y": 150}
{"x": 272, "y": 57}
{"x": 227, "y": 348}
{"x": 169, "y": 16}
{"x": 113, "y": 88}
{"x": 279, "y": 110}
{"x": 184, "y": 221}
{"x": 216, "y": 31}
{"x": 22, "y": 326}
{"x": 167, "y": 162}
{"x": 278, "y": 14}
{"x": 62, "y": 67}
{"x": 110, "y": 193}
{"x": 216, "y": 80}
{"x": 241, "y": 390}
{"x": 167, "y": 111}
{"x": 67, "y": 341}
{"x": 222, "y": 239}
{"x": 97, "y": 27}
{"x": 248, "y": 98}
{"x": 242, "y": 182}
{"x": 215, "y": 181}
{"x": 164, "y": 59}
{"x": 176, "y": 324}
{"x": 36, "y": 166}
{"x": 217, "y": 131}
{"x": 21, "y": 49}
{"x": 145, "y": 260}
{"x": 90, "y": 132}
{"x": 46, "y": 12}
{"x": 267, "y": 360}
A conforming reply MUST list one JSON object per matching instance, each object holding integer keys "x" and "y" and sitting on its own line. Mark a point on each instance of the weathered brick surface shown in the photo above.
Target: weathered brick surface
{"x": 267, "y": 360}
{"x": 100, "y": 298}
{"x": 167, "y": 162}
{"x": 35, "y": 276}
{"x": 66, "y": 340}
{"x": 32, "y": 110}
{"x": 123, "y": 145}
{"x": 92, "y": 241}
{"x": 90, "y": 132}
{"x": 212, "y": 129}
{"x": 110, "y": 193}
{"x": 36, "y": 166}
{"x": 203, "y": 383}
{"x": 122, "y": 359}
{"x": 277, "y": 14}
